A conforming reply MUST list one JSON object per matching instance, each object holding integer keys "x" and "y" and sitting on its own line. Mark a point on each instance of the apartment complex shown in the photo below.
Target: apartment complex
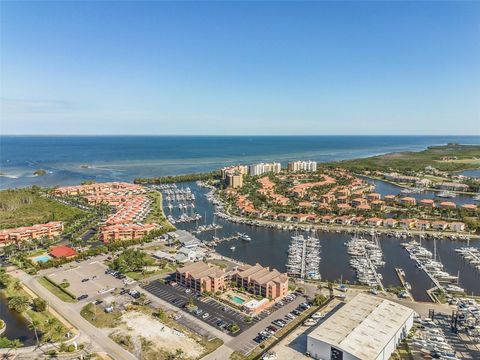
{"x": 310, "y": 166}
{"x": 262, "y": 168}
{"x": 49, "y": 230}
{"x": 131, "y": 203}
{"x": 201, "y": 277}
{"x": 107, "y": 188}
{"x": 236, "y": 169}
{"x": 262, "y": 281}
{"x": 235, "y": 180}
{"x": 119, "y": 232}
{"x": 233, "y": 175}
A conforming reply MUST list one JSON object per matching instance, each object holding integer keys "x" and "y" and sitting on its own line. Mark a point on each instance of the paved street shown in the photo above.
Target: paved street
{"x": 71, "y": 314}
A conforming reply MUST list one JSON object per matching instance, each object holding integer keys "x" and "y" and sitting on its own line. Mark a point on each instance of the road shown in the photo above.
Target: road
{"x": 70, "y": 312}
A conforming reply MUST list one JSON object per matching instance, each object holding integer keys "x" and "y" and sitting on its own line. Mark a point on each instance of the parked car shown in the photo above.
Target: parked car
{"x": 82, "y": 297}
{"x": 206, "y": 315}
{"x": 85, "y": 280}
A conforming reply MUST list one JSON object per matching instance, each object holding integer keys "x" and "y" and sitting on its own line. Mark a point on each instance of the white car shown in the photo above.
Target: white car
{"x": 318, "y": 315}
{"x": 204, "y": 316}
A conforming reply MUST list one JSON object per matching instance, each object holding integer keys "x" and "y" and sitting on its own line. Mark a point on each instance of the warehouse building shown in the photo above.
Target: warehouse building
{"x": 366, "y": 328}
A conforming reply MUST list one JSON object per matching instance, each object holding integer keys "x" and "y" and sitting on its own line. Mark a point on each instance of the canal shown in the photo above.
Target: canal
{"x": 17, "y": 325}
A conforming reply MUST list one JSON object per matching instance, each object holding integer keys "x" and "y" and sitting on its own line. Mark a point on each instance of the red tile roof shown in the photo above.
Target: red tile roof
{"x": 62, "y": 251}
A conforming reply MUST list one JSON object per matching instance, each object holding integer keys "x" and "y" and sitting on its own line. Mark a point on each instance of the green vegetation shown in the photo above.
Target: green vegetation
{"x": 47, "y": 327}
{"x": 57, "y": 290}
{"x": 214, "y": 175}
{"x": 39, "y": 172}
{"x": 19, "y": 303}
{"x": 467, "y": 158}
{"x": 100, "y": 318}
{"x": 29, "y": 206}
{"x": 9, "y": 344}
{"x": 132, "y": 260}
{"x": 164, "y": 269}
{"x": 157, "y": 215}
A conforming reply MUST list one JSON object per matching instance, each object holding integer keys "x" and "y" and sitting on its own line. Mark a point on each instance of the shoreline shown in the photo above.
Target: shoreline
{"x": 346, "y": 228}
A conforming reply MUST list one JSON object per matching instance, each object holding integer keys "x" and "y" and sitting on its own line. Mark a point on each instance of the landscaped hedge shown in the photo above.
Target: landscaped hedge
{"x": 65, "y": 291}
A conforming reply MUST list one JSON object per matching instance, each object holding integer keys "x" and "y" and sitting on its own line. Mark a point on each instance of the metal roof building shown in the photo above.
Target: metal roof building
{"x": 366, "y": 328}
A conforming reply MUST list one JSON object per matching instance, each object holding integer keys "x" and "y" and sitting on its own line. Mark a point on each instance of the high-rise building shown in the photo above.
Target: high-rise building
{"x": 236, "y": 169}
{"x": 262, "y": 168}
{"x": 235, "y": 180}
{"x": 309, "y": 165}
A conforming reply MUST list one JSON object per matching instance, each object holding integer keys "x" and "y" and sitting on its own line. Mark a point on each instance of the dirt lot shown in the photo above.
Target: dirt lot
{"x": 94, "y": 271}
{"x": 142, "y": 328}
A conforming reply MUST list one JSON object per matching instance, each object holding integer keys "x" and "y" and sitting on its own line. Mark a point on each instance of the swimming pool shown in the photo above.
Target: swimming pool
{"x": 41, "y": 258}
{"x": 237, "y": 300}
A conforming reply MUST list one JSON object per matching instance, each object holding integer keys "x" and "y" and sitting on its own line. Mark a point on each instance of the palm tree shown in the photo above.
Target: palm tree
{"x": 18, "y": 303}
{"x": 33, "y": 326}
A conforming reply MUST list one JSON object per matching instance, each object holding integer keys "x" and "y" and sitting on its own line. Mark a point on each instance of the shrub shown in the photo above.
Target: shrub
{"x": 39, "y": 305}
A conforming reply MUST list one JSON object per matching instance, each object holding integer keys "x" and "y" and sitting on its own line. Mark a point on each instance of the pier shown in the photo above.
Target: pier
{"x": 304, "y": 257}
{"x": 216, "y": 240}
{"x": 401, "y": 277}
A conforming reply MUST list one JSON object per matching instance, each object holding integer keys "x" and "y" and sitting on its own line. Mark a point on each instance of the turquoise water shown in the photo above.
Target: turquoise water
{"x": 73, "y": 159}
{"x": 41, "y": 258}
{"x": 237, "y": 300}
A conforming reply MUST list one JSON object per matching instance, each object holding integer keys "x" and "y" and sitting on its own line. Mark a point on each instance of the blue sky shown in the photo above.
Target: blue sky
{"x": 240, "y": 68}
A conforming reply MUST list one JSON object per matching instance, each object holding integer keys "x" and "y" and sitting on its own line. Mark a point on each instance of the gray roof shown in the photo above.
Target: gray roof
{"x": 187, "y": 239}
{"x": 363, "y": 326}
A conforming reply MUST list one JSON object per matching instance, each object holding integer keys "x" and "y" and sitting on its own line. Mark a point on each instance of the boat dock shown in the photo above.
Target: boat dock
{"x": 405, "y": 284}
{"x": 217, "y": 240}
{"x": 366, "y": 256}
{"x": 471, "y": 255}
{"x": 304, "y": 257}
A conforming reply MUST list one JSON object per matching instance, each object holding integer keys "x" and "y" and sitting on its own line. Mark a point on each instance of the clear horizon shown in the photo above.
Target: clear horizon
{"x": 240, "y": 68}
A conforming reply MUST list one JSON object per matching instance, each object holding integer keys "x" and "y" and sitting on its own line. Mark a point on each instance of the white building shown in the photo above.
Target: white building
{"x": 262, "y": 168}
{"x": 366, "y": 328}
{"x": 302, "y": 166}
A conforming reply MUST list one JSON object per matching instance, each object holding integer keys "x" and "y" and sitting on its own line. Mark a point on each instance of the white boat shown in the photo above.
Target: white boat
{"x": 232, "y": 248}
{"x": 244, "y": 236}
{"x": 446, "y": 194}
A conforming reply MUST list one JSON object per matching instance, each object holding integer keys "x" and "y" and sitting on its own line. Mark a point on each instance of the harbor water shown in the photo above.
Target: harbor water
{"x": 269, "y": 247}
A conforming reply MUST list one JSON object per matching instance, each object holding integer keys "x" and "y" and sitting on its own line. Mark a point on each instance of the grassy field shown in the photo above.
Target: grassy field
{"x": 24, "y": 207}
{"x": 467, "y": 158}
{"x": 99, "y": 318}
{"x": 157, "y": 215}
{"x": 57, "y": 291}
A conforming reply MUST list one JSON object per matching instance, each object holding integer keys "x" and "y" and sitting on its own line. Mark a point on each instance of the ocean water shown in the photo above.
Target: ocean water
{"x": 72, "y": 159}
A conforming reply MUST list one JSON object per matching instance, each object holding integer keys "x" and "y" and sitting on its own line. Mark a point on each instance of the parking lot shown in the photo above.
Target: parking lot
{"x": 250, "y": 339}
{"x": 219, "y": 315}
{"x": 87, "y": 278}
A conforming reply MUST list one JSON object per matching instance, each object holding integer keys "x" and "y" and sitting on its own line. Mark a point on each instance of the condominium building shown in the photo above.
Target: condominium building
{"x": 49, "y": 230}
{"x": 236, "y": 169}
{"x": 262, "y": 168}
{"x": 119, "y": 232}
{"x": 309, "y": 165}
{"x": 262, "y": 281}
{"x": 235, "y": 180}
{"x": 201, "y": 277}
